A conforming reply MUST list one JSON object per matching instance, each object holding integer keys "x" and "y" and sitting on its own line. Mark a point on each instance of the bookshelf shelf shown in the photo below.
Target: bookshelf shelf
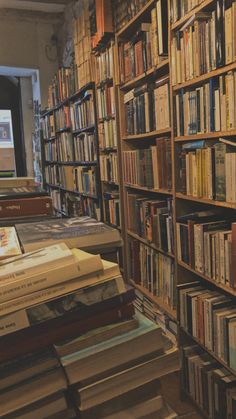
{"x": 151, "y": 245}
{"x": 203, "y": 77}
{"x": 143, "y": 188}
{"x": 225, "y": 288}
{"x": 157, "y": 300}
{"x": 188, "y": 15}
{"x": 123, "y": 32}
{"x": 61, "y": 130}
{"x": 106, "y": 118}
{"x": 106, "y": 182}
{"x": 206, "y": 135}
{"x": 50, "y": 139}
{"x": 81, "y": 130}
{"x": 208, "y": 351}
{"x": 105, "y": 82}
{"x": 108, "y": 149}
{"x": 151, "y": 134}
{"x": 206, "y": 201}
{"x": 152, "y": 72}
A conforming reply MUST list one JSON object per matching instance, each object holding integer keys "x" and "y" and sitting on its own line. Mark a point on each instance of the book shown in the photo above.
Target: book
{"x": 85, "y": 303}
{"x": 110, "y": 270}
{"x": 15, "y": 182}
{"x": 82, "y": 232}
{"x": 94, "y": 337}
{"x": 26, "y": 207}
{"x": 9, "y": 243}
{"x": 43, "y": 268}
{"x": 126, "y": 380}
{"x": 85, "y": 364}
{"x": 21, "y": 192}
{"x": 32, "y": 391}
{"x": 42, "y": 335}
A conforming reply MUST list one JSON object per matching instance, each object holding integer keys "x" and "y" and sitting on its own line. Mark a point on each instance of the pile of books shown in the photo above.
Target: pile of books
{"x": 78, "y": 303}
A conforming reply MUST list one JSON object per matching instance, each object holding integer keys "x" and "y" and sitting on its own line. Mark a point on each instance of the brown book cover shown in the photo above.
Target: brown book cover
{"x": 26, "y": 207}
{"x": 233, "y": 267}
{"x": 43, "y": 335}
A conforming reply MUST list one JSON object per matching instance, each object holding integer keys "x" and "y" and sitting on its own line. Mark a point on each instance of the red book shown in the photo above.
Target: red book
{"x": 26, "y": 207}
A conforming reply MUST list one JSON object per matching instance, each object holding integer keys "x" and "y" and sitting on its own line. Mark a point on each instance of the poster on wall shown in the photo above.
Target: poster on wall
{"x": 6, "y": 132}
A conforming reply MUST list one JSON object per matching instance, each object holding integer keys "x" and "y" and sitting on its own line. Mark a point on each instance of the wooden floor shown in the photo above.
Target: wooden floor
{"x": 170, "y": 390}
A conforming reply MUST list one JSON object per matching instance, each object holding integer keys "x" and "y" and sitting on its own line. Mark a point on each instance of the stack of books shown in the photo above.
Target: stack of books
{"x": 107, "y": 374}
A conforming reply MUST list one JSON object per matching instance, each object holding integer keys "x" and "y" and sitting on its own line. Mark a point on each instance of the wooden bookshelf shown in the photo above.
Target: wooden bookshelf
{"x": 142, "y": 188}
{"x": 151, "y": 245}
{"x": 73, "y": 163}
{"x": 131, "y": 25}
{"x": 185, "y": 204}
{"x": 152, "y": 72}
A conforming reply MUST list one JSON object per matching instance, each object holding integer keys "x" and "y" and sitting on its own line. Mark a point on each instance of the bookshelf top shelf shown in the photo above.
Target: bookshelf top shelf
{"x": 204, "y": 77}
{"x": 151, "y": 73}
{"x": 188, "y": 15}
{"x": 136, "y": 20}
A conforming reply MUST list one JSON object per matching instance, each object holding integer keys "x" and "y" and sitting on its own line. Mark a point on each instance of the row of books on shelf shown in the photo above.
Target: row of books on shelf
{"x": 208, "y": 108}
{"x": 179, "y": 8}
{"x": 68, "y": 148}
{"x": 106, "y": 101}
{"x": 148, "y": 46}
{"x": 64, "y": 84}
{"x": 151, "y": 219}
{"x": 204, "y": 43}
{"x": 147, "y": 108}
{"x": 112, "y": 208}
{"x": 74, "y": 206}
{"x": 125, "y": 10}
{"x": 82, "y": 112}
{"x": 105, "y": 65}
{"x": 205, "y": 242}
{"x": 85, "y": 147}
{"x": 48, "y": 126}
{"x": 150, "y": 167}
{"x": 209, "y": 384}
{"x": 109, "y": 168}
{"x": 209, "y": 317}
{"x": 62, "y": 118}
{"x": 77, "y": 179}
{"x": 207, "y": 170}
{"x": 107, "y": 134}
{"x": 153, "y": 271}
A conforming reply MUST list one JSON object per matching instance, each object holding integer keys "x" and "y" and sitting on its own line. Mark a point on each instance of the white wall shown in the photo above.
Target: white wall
{"x": 23, "y": 44}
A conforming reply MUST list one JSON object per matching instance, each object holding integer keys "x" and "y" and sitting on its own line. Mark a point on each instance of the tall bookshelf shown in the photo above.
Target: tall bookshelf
{"x": 144, "y": 82}
{"x": 70, "y": 140}
{"x": 202, "y": 73}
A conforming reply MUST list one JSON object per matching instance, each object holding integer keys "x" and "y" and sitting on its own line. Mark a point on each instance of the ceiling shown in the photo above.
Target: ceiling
{"x": 49, "y": 6}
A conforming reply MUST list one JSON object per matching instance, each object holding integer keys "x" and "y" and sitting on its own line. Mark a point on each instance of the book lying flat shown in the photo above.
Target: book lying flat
{"x": 128, "y": 379}
{"x": 84, "y": 302}
{"x": 21, "y": 192}
{"x": 43, "y": 268}
{"x": 17, "y": 182}
{"x": 110, "y": 270}
{"x": 83, "y": 232}
{"x": 87, "y": 363}
{"x": 32, "y": 391}
{"x": 93, "y": 337}
{"x": 9, "y": 243}
{"x": 44, "y": 334}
